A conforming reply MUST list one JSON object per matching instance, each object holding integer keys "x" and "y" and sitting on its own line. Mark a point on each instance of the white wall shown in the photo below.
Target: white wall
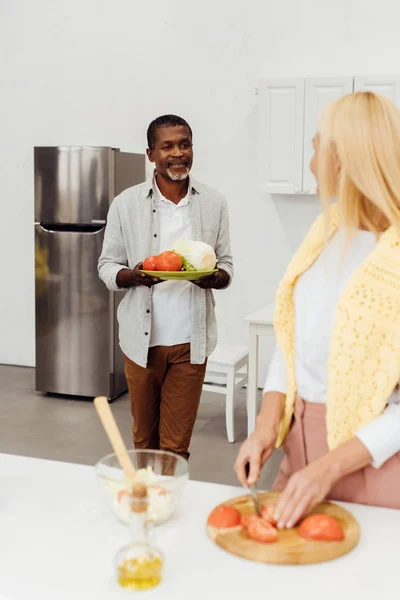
{"x": 96, "y": 72}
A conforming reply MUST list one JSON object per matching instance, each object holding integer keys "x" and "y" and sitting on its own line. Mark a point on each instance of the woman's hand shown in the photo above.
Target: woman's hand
{"x": 309, "y": 486}
{"x": 304, "y": 490}
{"x": 256, "y": 450}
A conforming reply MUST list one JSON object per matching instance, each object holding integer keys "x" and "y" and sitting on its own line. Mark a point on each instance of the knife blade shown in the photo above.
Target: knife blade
{"x": 253, "y": 492}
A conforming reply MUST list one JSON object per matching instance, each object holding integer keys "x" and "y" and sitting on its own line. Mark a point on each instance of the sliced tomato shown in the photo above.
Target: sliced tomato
{"x": 321, "y": 527}
{"x": 261, "y": 531}
{"x": 245, "y": 521}
{"x": 267, "y": 513}
{"x": 159, "y": 489}
{"x": 224, "y": 516}
{"x": 121, "y": 494}
{"x": 150, "y": 263}
{"x": 168, "y": 261}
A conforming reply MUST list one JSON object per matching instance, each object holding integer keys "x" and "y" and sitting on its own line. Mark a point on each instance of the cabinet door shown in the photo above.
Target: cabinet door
{"x": 281, "y": 135}
{"x": 385, "y": 85}
{"x": 319, "y": 93}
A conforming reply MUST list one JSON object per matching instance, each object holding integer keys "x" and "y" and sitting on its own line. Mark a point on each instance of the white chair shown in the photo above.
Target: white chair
{"x": 229, "y": 364}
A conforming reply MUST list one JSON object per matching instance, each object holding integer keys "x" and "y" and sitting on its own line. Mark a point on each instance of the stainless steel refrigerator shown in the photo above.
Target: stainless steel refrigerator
{"x": 77, "y": 351}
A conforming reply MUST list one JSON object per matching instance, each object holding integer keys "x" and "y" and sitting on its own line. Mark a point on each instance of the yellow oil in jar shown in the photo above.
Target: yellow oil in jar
{"x": 141, "y": 573}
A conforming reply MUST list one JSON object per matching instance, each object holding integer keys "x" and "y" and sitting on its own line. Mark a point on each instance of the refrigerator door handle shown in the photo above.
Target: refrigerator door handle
{"x": 62, "y": 228}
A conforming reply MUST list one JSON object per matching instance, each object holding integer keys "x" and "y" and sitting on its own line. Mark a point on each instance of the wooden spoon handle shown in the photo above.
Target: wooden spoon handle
{"x": 111, "y": 428}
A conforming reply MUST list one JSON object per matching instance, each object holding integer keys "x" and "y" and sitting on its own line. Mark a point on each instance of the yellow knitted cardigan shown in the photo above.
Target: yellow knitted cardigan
{"x": 364, "y": 361}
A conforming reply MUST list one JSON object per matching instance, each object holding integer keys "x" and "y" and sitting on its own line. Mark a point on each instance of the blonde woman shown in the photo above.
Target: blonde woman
{"x": 331, "y": 395}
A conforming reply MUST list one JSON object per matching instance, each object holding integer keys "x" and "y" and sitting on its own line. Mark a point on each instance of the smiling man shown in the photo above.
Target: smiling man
{"x": 167, "y": 329}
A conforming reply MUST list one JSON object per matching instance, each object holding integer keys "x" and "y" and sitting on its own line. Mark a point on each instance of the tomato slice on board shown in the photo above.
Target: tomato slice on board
{"x": 321, "y": 527}
{"x": 267, "y": 513}
{"x": 261, "y": 531}
{"x": 224, "y": 517}
{"x": 246, "y": 520}
{"x": 168, "y": 261}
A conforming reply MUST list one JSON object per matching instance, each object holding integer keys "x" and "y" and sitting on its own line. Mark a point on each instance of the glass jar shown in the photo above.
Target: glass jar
{"x": 139, "y": 566}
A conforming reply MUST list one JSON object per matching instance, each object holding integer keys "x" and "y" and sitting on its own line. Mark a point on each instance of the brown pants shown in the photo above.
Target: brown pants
{"x": 165, "y": 398}
{"x": 306, "y": 442}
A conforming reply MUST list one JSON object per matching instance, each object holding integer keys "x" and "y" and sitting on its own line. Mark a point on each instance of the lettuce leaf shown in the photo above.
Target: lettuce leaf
{"x": 186, "y": 265}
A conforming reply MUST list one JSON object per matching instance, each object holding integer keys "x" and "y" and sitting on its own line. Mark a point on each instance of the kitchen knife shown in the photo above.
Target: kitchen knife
{"x": 253, "y": 492}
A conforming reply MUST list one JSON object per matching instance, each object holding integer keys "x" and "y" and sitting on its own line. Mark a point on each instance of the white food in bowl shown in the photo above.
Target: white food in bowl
{"x": 160, "y": 505}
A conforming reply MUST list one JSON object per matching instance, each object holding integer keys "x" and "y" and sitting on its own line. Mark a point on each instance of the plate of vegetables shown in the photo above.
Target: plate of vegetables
{"x": 187, "y": 260}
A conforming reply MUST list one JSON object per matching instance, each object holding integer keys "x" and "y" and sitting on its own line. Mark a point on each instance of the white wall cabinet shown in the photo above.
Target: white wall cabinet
{"x": 289, "y": 110}
{"x": 281, "y": 133}
{"x": 318, "y": 94}
{"x": 387, "y": 86}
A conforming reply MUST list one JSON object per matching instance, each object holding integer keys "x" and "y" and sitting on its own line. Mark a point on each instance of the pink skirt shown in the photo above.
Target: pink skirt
{"x": 306, "y": 442}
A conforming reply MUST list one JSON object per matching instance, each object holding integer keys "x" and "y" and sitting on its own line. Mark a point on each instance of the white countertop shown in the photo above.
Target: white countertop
{"x": 58, "y": 539}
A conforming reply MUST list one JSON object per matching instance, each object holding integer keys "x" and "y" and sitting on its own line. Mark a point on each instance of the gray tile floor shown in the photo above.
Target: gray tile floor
{"x": 33, "y": 424}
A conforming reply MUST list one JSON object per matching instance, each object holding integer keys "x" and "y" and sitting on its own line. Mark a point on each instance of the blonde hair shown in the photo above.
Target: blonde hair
{"x": 363, "y": 129}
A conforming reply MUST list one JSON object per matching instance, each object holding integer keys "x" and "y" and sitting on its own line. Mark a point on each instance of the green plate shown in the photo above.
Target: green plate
{"x": 179, "y": 275}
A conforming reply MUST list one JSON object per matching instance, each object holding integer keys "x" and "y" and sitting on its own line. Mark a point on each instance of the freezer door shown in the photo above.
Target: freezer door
{"x": 74, "y": 314}
{"x": 130, "y": 169}
{"x": 73, "y": 184}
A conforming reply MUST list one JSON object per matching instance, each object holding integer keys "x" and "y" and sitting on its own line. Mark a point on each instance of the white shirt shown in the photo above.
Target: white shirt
{"x": 316, "y": 296}
{"x": 171, "y": 299}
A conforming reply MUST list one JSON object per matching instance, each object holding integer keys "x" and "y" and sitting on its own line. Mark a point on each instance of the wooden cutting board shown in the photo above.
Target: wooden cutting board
{"x": 290, "y": 549}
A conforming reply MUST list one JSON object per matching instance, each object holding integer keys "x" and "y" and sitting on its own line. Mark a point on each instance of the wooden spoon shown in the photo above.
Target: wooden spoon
{"x": 111, "y": 428}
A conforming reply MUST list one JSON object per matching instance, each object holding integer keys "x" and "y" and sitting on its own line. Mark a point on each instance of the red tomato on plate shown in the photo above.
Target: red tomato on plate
{"x": 267, "y": 513}
{"x": 168, "y": 261}
{"x": 261, "y": 531}
{"x": 224, "y": 516}
{"x": 321, "y": 527}
{"x": 150, "y": 263}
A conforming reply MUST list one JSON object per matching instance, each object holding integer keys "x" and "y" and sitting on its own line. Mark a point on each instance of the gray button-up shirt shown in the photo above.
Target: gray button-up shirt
{"x": 132, "y": 234}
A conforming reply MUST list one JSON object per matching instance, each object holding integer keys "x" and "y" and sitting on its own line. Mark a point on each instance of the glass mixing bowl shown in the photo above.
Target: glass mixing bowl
{"x": 164, "y": 474}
